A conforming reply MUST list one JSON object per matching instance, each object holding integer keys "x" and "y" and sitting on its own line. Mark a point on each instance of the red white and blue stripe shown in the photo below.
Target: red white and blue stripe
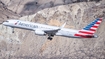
{"x": 90, "y": 29}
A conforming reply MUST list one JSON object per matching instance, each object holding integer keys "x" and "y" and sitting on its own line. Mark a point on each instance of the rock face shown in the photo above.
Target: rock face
{"x": 27, "y": 7}
{"x": 24, "y": 44}
{"x": 5, "y": 13}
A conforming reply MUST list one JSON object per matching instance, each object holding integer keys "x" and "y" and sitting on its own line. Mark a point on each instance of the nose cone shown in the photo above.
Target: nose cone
{"x": 4, "y": 23}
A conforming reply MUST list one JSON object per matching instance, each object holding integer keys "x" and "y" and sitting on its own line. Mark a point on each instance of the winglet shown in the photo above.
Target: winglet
{"x": 62, "y": 26}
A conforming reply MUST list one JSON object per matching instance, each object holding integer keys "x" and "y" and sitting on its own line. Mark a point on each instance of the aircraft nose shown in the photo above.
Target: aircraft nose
{"x": 4, "y": 23}
{"x": 1, "y": 22}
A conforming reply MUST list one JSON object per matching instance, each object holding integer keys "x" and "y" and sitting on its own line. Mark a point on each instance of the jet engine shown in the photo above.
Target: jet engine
{"x": 39, "y": 32}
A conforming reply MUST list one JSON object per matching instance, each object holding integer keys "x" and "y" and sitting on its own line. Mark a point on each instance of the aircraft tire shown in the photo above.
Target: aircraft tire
{"x": 49, "y": 38}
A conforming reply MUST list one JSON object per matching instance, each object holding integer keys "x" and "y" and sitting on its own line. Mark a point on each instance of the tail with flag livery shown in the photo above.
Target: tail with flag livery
{"x": 90, "y": 29}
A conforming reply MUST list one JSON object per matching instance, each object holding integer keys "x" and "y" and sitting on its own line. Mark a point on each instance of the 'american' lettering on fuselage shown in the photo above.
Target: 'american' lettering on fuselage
{"x": 28, "y": 25}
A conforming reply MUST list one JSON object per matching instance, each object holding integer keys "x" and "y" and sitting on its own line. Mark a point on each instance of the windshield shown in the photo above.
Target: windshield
{"x": 6, "y": 21}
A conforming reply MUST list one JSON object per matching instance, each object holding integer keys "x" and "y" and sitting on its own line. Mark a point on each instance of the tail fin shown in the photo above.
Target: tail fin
{"x": 92, "y": 27}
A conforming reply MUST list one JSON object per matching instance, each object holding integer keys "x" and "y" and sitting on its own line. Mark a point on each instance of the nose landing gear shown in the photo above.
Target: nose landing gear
{"x": 12, "y": 30}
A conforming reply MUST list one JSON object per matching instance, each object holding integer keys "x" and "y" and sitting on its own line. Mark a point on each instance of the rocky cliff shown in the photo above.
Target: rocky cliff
{"x": 27, "y": 7}
{"x": 24, "y": 44}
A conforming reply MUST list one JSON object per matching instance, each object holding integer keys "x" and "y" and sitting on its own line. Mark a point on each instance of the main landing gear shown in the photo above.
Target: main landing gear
{"x": 50, "y": 37}
{"x": 12, "y": 30}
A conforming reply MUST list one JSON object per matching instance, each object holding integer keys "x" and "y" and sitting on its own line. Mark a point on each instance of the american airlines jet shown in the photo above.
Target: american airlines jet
{"x": 41, "y": 29}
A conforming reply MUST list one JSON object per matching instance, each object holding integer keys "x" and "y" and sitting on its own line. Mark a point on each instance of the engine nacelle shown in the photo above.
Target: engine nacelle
{"x": 39, "y": 32}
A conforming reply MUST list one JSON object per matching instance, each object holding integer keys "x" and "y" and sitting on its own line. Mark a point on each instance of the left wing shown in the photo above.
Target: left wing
{"x": 53, "y": 32}
{"x": 49, "y": 32}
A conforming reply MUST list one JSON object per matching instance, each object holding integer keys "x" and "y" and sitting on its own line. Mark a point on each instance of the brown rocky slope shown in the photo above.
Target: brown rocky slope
{"x": 24, "y": 44}
{"x": 27, "y": 7}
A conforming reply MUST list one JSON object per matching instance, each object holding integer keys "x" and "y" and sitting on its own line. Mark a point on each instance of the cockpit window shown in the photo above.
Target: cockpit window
{"x": 6, "y": 21}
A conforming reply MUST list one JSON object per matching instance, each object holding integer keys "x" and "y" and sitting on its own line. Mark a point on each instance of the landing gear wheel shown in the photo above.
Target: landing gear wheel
{"x": 12, "y": 30}
{"x": 50, "y": 38}
{"x": 52, "y": 35}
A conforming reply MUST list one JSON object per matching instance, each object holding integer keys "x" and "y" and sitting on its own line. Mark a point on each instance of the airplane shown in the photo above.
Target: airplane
{"x": 51, "y": 31}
